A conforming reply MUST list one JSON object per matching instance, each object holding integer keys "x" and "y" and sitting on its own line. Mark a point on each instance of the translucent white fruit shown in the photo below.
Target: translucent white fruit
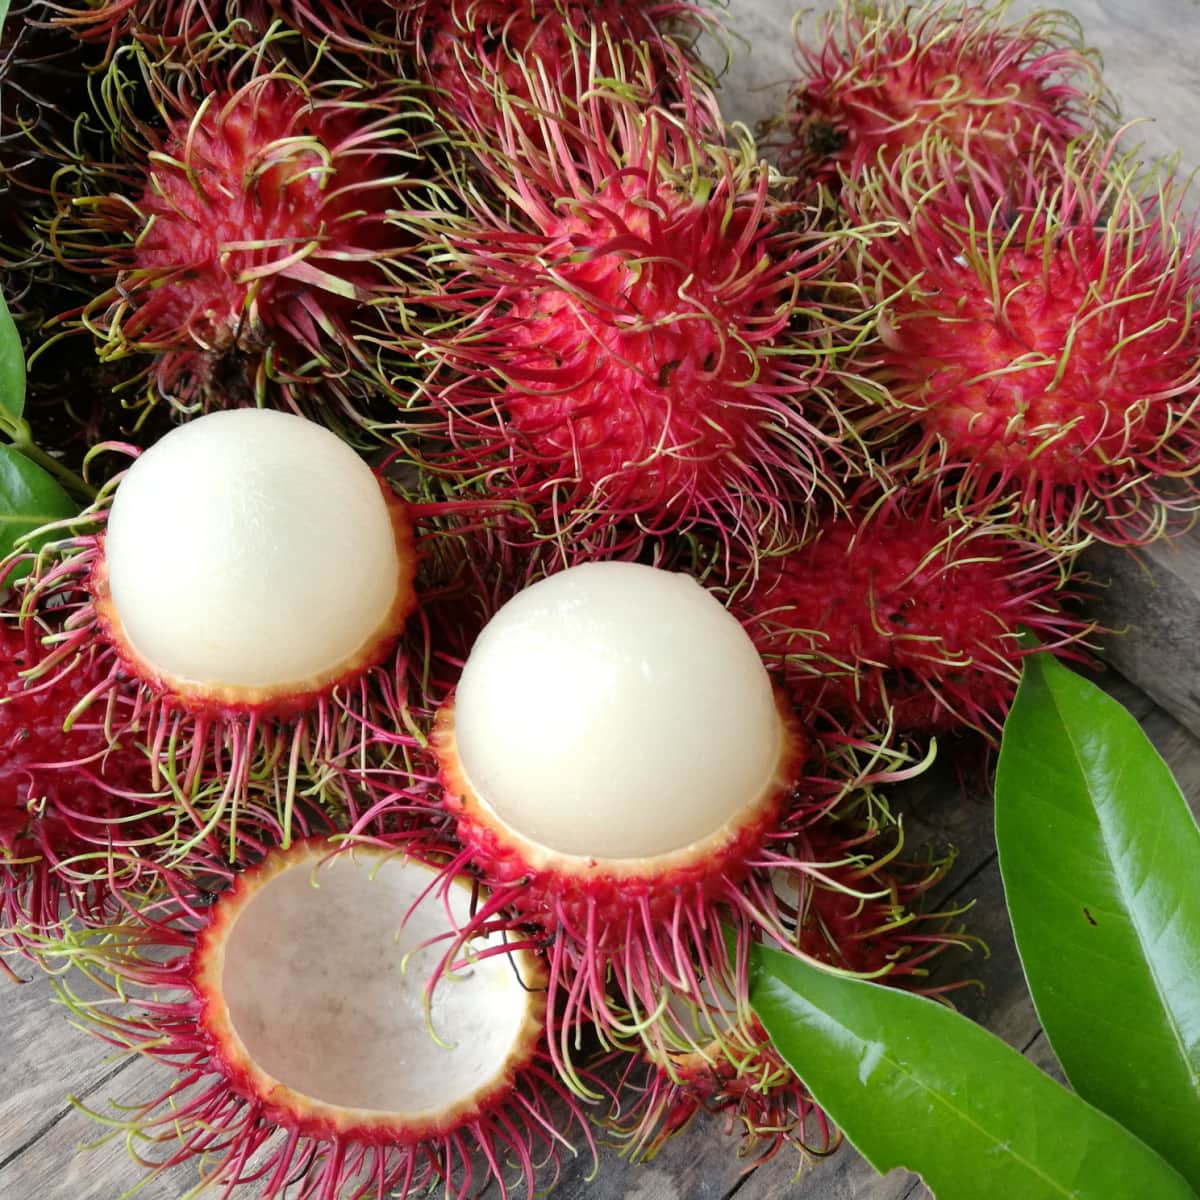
{"x": 616, "y": 711}
{"x": 250, "y": 549}
{"x": 322, "y": 988}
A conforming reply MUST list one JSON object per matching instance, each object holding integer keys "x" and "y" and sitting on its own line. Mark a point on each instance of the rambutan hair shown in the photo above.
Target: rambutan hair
{"x": 486, "y": 58}
{"x": 254, "y": 223}
{"x": 632, "y": 339}
{"x": 899, "y": 618}
{"x": 855, "y": 905}
{"x": 881, "y": 76}
{"x": 75, "y": 805}
{"x": 1037, "y": 343}
{"x": 176, "y": 987}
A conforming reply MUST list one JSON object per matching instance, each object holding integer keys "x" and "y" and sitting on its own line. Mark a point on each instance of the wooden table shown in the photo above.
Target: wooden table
{"x": 1150, "y": 51}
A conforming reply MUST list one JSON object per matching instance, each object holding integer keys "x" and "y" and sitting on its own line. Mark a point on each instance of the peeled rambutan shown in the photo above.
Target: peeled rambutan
{"x": 883, "y": 75}
{"x": 1039, "y": 344}
{"x": 623, "y": 793}
{"x": 631, "y": 342}
{"x": 899, "y": 618}
{"x": 292, "y": 1012}
{"x": 253, "y": 228}
{"x": 239, "y": 588}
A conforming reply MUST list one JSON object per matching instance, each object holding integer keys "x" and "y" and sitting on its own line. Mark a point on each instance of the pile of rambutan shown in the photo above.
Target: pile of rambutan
{"x": 529, "y": 528}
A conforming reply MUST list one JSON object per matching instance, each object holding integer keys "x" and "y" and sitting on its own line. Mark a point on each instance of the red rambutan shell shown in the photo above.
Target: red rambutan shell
{"x": 1041, "y": 345}
{"x": 628, "y": 338}
{"x": 883, "y": 76}
{"x": 899, "y": 617}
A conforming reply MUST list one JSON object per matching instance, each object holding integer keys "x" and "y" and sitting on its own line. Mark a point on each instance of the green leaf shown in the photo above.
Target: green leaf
{"x": 12, "y": 354}
{"x": 913, "y": 1084}
{"x": 1101, "y": 865}
{"x": 29, "y": 498}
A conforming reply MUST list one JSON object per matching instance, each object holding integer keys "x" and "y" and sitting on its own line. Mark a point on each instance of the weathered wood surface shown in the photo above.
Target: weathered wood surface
{"x": 1150, "y": 56}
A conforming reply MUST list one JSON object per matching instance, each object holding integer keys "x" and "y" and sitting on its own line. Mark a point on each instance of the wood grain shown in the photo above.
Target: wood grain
{"x": 1150, "y": 55}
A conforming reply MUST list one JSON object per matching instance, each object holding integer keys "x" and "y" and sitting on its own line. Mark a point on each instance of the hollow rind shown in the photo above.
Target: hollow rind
{"x": 592, "y": 885}
{"x": 306, "y": 1114}
{"x": 288, "y": 699}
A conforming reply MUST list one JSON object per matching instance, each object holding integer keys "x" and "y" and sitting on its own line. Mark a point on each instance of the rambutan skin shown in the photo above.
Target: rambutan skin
{"x": 251, "y": 227}
{"x": 631, "y": 331}
{"x": 885, "y": 75}
{"x": 900, "y": 618}
{"x": 1038, "y": 344}
{"x": 73, "y": 805}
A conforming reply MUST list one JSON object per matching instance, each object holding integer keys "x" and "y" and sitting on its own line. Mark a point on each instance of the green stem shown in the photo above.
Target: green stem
{"x": 75, "y": 484}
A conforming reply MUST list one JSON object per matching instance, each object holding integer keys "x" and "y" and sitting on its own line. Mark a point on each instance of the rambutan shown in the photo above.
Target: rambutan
{"x": 852, "y": 906}
{"x": 484, "y": 56}
{"x": 899, "y": 618}
{"x": 74, "y": 805}
{"x": 631, "y": 340}
{"x": 293, "y": 1011}
{"x": 619, "y": 792}
{"x": 1039, "y": 344}
{"x": 883, "y": 75}
{"x": 255, "y": 225}
{"x": 239, "y": 589}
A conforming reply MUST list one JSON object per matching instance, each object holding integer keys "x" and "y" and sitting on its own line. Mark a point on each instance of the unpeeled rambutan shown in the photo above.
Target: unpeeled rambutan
{"x": 74, "y": 805}
{"x": 883, "y": 75}
{"x": 899, "y": 618}
{"x": 253, "y": 226}
{"x": 292, "y": 1012}
{"x": 1038, "y": 343}
{"x": 632, "y": 341}
{"x": 487, "y": 56}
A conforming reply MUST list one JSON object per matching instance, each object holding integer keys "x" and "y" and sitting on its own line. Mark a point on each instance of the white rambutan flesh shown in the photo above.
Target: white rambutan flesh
{"x": 250, "y": 555}
{"x": 617, "y": 711}
{"x": 315, "y": 986}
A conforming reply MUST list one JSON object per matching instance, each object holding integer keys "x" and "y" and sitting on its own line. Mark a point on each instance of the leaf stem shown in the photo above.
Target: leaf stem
{"x": 74, "y": 483}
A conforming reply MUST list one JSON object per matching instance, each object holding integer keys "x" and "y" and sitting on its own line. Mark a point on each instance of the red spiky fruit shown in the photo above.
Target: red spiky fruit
{"x": 482, "y": 56}
{"x": 183, "y": 584}
{"x": 250, "y": 236}
{"x": 295, "y": 1001}
{"x": 897, "y": 617}
{"x": 882, "y": 76}
{"x": 628, "y": 334}
{"x": 1040, "y": 344}
{"x": 74, "y": 806}
{"x": 853, "y": 904}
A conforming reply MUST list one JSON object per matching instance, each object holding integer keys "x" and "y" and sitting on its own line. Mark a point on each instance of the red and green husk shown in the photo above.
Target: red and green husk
{"x": 896, "y": 618}
{"x": 252, "y": 228}
{"x": 1037, "y": 345}
{"x": 882, "y": 76}
{"x": 851, "y": 905}
{"x": 154, "y": 1001}
{"x": 631, "y": 343}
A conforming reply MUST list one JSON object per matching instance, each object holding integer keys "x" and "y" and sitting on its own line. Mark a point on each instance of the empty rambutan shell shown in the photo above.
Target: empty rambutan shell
{"x": 880, "y": 77}
{"x": 294, "y": 1010}
{"x": 630, "y": 343}
{"x": 1038, "y": 343}
{"x": 898, "y": 618}
{"x": 236, "y": 598}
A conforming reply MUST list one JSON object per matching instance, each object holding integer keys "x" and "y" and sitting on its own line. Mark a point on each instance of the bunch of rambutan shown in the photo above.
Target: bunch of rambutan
{"x": 541, "y": 527}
